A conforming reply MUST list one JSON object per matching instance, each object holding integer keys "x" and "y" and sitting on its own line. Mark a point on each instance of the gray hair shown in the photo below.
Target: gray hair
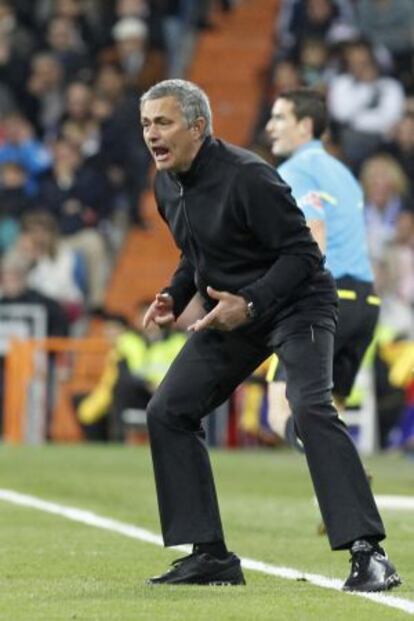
{"x": 192, "y": 99}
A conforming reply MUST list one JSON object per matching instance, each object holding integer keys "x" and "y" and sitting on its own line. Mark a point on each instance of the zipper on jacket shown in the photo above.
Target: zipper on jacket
{"x": 189, "y": 228}
{"x": 199, "y": 279}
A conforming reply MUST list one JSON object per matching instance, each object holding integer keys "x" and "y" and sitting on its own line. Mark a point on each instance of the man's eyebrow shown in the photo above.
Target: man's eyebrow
{"x": 156, "y": 119}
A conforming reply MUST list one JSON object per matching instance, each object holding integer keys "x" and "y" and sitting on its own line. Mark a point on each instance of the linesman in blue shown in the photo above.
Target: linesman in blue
{"x": 246, "y": 249}
{"x": 332, "y": 202}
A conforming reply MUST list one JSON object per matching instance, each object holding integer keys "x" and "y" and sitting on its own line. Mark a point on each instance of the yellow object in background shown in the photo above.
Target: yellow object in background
{"x": 399, "y": 355}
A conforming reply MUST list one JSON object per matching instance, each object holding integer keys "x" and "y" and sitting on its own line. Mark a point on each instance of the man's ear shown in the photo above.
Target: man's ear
{"x": 198, "y": 127}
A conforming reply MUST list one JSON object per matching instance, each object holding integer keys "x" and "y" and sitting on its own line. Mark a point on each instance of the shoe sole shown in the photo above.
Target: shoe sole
{"x": 391, "y": 582}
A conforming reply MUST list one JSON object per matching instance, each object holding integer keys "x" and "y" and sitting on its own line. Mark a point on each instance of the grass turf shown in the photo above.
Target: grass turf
{"x": 53, "y": 569}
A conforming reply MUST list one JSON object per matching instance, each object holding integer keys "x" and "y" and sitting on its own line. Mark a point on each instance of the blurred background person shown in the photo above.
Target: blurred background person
{"x": 65, "y": 42}
{"x": 55, "y": 269}
{"x": 22, "y": 147}
{"x": 401, "y": 147}
{"x": 364, "y": 105}
{"x": 44, "y": 98}
{"x": 15, "y": 201}
{"x": 75, "y": 194}
{"x": 122, "y": 153}
{"x": 302, "y": 19}
{"x": 141, "y": 64}
{"x": 388, "y": 214}
{"x": 390, "y": 24}
{"x": 135, "y": 366}
{"x": 15, "y": 289}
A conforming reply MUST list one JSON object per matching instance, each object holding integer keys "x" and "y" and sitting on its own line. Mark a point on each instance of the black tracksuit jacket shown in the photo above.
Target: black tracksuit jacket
{"x": 239, "y": 230}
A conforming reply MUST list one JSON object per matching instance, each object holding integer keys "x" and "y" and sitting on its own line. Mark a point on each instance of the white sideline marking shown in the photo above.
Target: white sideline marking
{"x": 129, "y": 530}
{"x": 396, "y": 503}
{"x": 399, "y": 503}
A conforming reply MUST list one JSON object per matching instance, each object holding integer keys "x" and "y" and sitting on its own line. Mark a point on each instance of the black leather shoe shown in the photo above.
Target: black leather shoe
{"x": 202, "y": 569}
{"x": 371, "y": 570}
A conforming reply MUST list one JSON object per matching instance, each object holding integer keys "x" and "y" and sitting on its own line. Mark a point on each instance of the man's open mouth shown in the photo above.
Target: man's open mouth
{"x": 160, "y": 153}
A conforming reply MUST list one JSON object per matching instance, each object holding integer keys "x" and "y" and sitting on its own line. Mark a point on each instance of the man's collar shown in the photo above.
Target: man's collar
{"x": 312, "y": 144}
{"x": 188, "y": 177}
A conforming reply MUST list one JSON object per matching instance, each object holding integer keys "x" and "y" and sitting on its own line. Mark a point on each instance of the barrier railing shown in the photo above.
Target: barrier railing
{"x": 41, "y": 378}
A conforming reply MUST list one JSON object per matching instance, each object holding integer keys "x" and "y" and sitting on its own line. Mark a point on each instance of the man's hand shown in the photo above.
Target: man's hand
{"x": 230, "y": 312}
{"x": 161, "y": 311}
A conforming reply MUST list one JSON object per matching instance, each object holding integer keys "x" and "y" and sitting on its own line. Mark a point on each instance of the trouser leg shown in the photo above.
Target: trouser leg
{"x": 203, "y": 375}
{"x": 344, "y": 495}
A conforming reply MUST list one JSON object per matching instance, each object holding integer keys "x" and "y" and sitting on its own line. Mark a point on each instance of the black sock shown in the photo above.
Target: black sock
{"x": 215, "y": 548}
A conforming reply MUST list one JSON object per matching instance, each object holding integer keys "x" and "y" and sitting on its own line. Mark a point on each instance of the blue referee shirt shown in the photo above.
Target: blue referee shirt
{"x": 326, "y": 190}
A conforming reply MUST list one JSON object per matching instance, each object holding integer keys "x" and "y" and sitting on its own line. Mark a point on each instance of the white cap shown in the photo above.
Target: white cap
{"x": 342, "y": 33}
{"x": 129, "y": 28}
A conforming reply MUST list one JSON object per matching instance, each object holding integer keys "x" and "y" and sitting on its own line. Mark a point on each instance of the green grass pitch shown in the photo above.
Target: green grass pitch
{"x": 53, "y": 569}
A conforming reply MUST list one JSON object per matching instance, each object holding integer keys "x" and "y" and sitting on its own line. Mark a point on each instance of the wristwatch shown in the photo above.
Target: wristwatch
{"x": 250, "y": 310}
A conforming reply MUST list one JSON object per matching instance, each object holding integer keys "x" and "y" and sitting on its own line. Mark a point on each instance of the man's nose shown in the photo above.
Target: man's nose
{"x": 152, "y": 133}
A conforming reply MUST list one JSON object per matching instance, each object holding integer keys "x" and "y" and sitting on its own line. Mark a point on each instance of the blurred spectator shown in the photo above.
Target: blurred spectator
{"x": 388, "y": 217}
{"x": 179, "y": 22}
{"x": 122, "y": 152}
{"x": 78, "y": 124}
{"x": 15, "y": 289}
{"x": 21, "y": 147}
{"x": 65, "y": 42}
{"x": 141, "y": 65}
{"x": 135, "y": 366}
{"x": 78, "y": 99}
{"x": 149, "y": 12}
{"x": 24, "y": 13}
{"x": 302, "y": 19}
{"x": 391, "y": 23}
{"x": 84, "y": 136}
{"x": 76, "y": 195}
{"x": 44, "y": 101}
{"x": 92, "y": 18}
{"x": 55, "y": 269}
{"x": 14, "y": 202}
{"x": 132, "y": 8}
{"x": 391, "y": 219}
{"x": 402, "y": 148}
{"x": 7, "y": 100}
{"x": 89, "y": 18}
{"x": 97, "y": 411}
{"x": 314, "y": 63}
{"x": 365, "y": 105}
{"x": 13, "y": 73}
{"x": 394, "y": 280}
{"x": 21, "y": 40}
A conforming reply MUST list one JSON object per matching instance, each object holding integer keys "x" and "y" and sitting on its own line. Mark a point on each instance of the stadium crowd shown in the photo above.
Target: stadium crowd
{"x": 73, "y": 165}
{"x": 71, "y": 74}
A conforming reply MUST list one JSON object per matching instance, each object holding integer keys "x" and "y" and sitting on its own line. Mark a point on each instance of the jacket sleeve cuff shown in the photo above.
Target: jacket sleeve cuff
{"x": 179, "y": 301}
{"x": 249, "y": 295}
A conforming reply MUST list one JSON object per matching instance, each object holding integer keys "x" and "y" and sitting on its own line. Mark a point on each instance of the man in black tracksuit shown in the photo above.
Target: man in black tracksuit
{"x": 246, "y": 249}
